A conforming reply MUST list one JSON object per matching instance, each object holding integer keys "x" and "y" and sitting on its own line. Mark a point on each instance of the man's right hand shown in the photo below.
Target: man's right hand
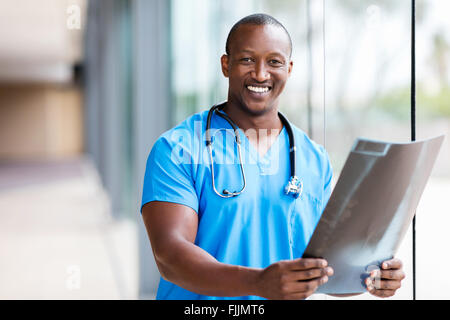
{"x": 293, "y": 279}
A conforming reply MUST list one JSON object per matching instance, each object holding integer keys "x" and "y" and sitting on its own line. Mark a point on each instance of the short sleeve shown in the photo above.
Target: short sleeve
{"x": 167, "y": 177}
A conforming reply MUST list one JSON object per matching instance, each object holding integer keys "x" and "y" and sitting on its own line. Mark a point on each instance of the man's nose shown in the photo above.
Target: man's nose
{"x": 260, "y": 73}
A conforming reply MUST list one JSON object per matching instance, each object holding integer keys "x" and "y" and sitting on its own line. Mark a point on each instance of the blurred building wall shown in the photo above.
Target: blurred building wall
{"x": 40, "y": 101}
{"x": 40, "y": 121}
{"x": 127, "y": 99}
{"x": 153, "y": 108}
{"x": 113, "y": 110}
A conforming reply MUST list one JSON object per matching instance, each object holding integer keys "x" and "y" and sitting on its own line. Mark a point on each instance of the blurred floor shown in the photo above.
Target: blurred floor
{"x": 58, "y": 239}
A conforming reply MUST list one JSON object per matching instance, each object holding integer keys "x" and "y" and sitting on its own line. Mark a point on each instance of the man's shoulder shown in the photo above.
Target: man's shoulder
{"x": 184, "y": 133}
{"x": 303, "y": 139}
{"x": 308, "y": 145}
{"x": 190, "y": 123}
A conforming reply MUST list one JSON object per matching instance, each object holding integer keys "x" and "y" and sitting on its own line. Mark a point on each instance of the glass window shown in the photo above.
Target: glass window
{"x": 433, "y": 118}
{"x": 351, "y": 78}
{"x": 367, "y": 89}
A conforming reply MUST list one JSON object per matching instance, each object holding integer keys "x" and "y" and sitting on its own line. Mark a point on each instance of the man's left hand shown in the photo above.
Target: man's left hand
{"x": 384, "y": 283}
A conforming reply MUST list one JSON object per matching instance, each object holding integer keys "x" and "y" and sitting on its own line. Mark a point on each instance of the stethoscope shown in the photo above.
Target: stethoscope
{"x": 294, "y": 186}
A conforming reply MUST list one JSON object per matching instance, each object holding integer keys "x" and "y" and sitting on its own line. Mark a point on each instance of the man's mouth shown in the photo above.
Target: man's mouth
{"x": 258, "y": 89}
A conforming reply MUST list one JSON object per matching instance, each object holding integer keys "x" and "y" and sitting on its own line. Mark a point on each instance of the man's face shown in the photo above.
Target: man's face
{"x": 258, "y": 66}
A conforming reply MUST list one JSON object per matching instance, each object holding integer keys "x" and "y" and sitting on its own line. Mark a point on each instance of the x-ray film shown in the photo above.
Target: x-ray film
{"x": 371, "y": 209}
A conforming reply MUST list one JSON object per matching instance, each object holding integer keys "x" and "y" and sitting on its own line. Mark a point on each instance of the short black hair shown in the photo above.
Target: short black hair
{"x": 259, "y": 19}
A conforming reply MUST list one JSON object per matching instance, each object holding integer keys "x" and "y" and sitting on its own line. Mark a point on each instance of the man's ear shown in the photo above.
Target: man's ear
{"x": 224, "y": 60}
{"x": 291, "y": 65}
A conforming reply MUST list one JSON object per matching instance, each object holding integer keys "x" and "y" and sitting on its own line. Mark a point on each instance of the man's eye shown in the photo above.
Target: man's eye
{"x": 246, "y": 59}
{"x": 275, "y": 62}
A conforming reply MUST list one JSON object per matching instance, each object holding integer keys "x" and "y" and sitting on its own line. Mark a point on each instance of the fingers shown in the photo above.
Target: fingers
{"x": 388, "y": 274}
{"x": 301, "y": 277}
{"x": 383, "y": 284}
{"x": 386, "y": 281}
{"x": 306, "y": 263}
{"x": 382, "y": 293}
{"x": 308, "y": 286}
{"x": 293, "y": 279}
{"x": 310, "y": 274}
{"x": 392, "y": 274}
{"x": 392, "y": 264}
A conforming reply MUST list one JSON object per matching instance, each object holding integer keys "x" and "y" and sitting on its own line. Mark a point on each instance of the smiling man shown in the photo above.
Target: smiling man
{"x": 243, "y": 244}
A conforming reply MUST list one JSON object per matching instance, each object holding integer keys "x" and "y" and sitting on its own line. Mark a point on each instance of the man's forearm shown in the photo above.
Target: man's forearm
{"x": 194, "y": 269}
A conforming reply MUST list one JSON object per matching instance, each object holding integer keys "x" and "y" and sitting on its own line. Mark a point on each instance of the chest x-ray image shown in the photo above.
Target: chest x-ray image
{"x": 371, "y": 209}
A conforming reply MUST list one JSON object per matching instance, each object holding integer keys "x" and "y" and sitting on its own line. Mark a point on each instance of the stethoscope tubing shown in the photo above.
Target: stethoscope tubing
{"x": 227, "y": 194}
{"x": 209, "y": 142}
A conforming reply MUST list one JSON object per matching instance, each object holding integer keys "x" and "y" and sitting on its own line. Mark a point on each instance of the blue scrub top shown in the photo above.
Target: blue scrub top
{"x": 261, "y": 226}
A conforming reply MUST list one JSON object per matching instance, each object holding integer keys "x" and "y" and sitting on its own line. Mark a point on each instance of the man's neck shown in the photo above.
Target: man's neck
{"x": 244, "y": 120}
{"x": 261, "y": 130}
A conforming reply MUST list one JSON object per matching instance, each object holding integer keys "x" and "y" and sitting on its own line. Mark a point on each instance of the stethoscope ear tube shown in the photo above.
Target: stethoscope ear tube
{"x": 292, "y": 148}
{"x": 294, "y": 186}
{"x": 225, "y": 193}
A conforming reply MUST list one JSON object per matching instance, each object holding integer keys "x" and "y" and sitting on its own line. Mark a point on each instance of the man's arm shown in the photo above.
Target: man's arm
{"x": 172, "y": 229}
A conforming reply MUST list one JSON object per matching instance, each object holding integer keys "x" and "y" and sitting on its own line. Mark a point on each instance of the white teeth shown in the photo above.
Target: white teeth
{"x": 258, "y": 89}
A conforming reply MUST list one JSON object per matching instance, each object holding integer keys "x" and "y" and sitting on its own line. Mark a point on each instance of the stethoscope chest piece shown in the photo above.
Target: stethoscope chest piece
{"x": 294, "y": 187}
